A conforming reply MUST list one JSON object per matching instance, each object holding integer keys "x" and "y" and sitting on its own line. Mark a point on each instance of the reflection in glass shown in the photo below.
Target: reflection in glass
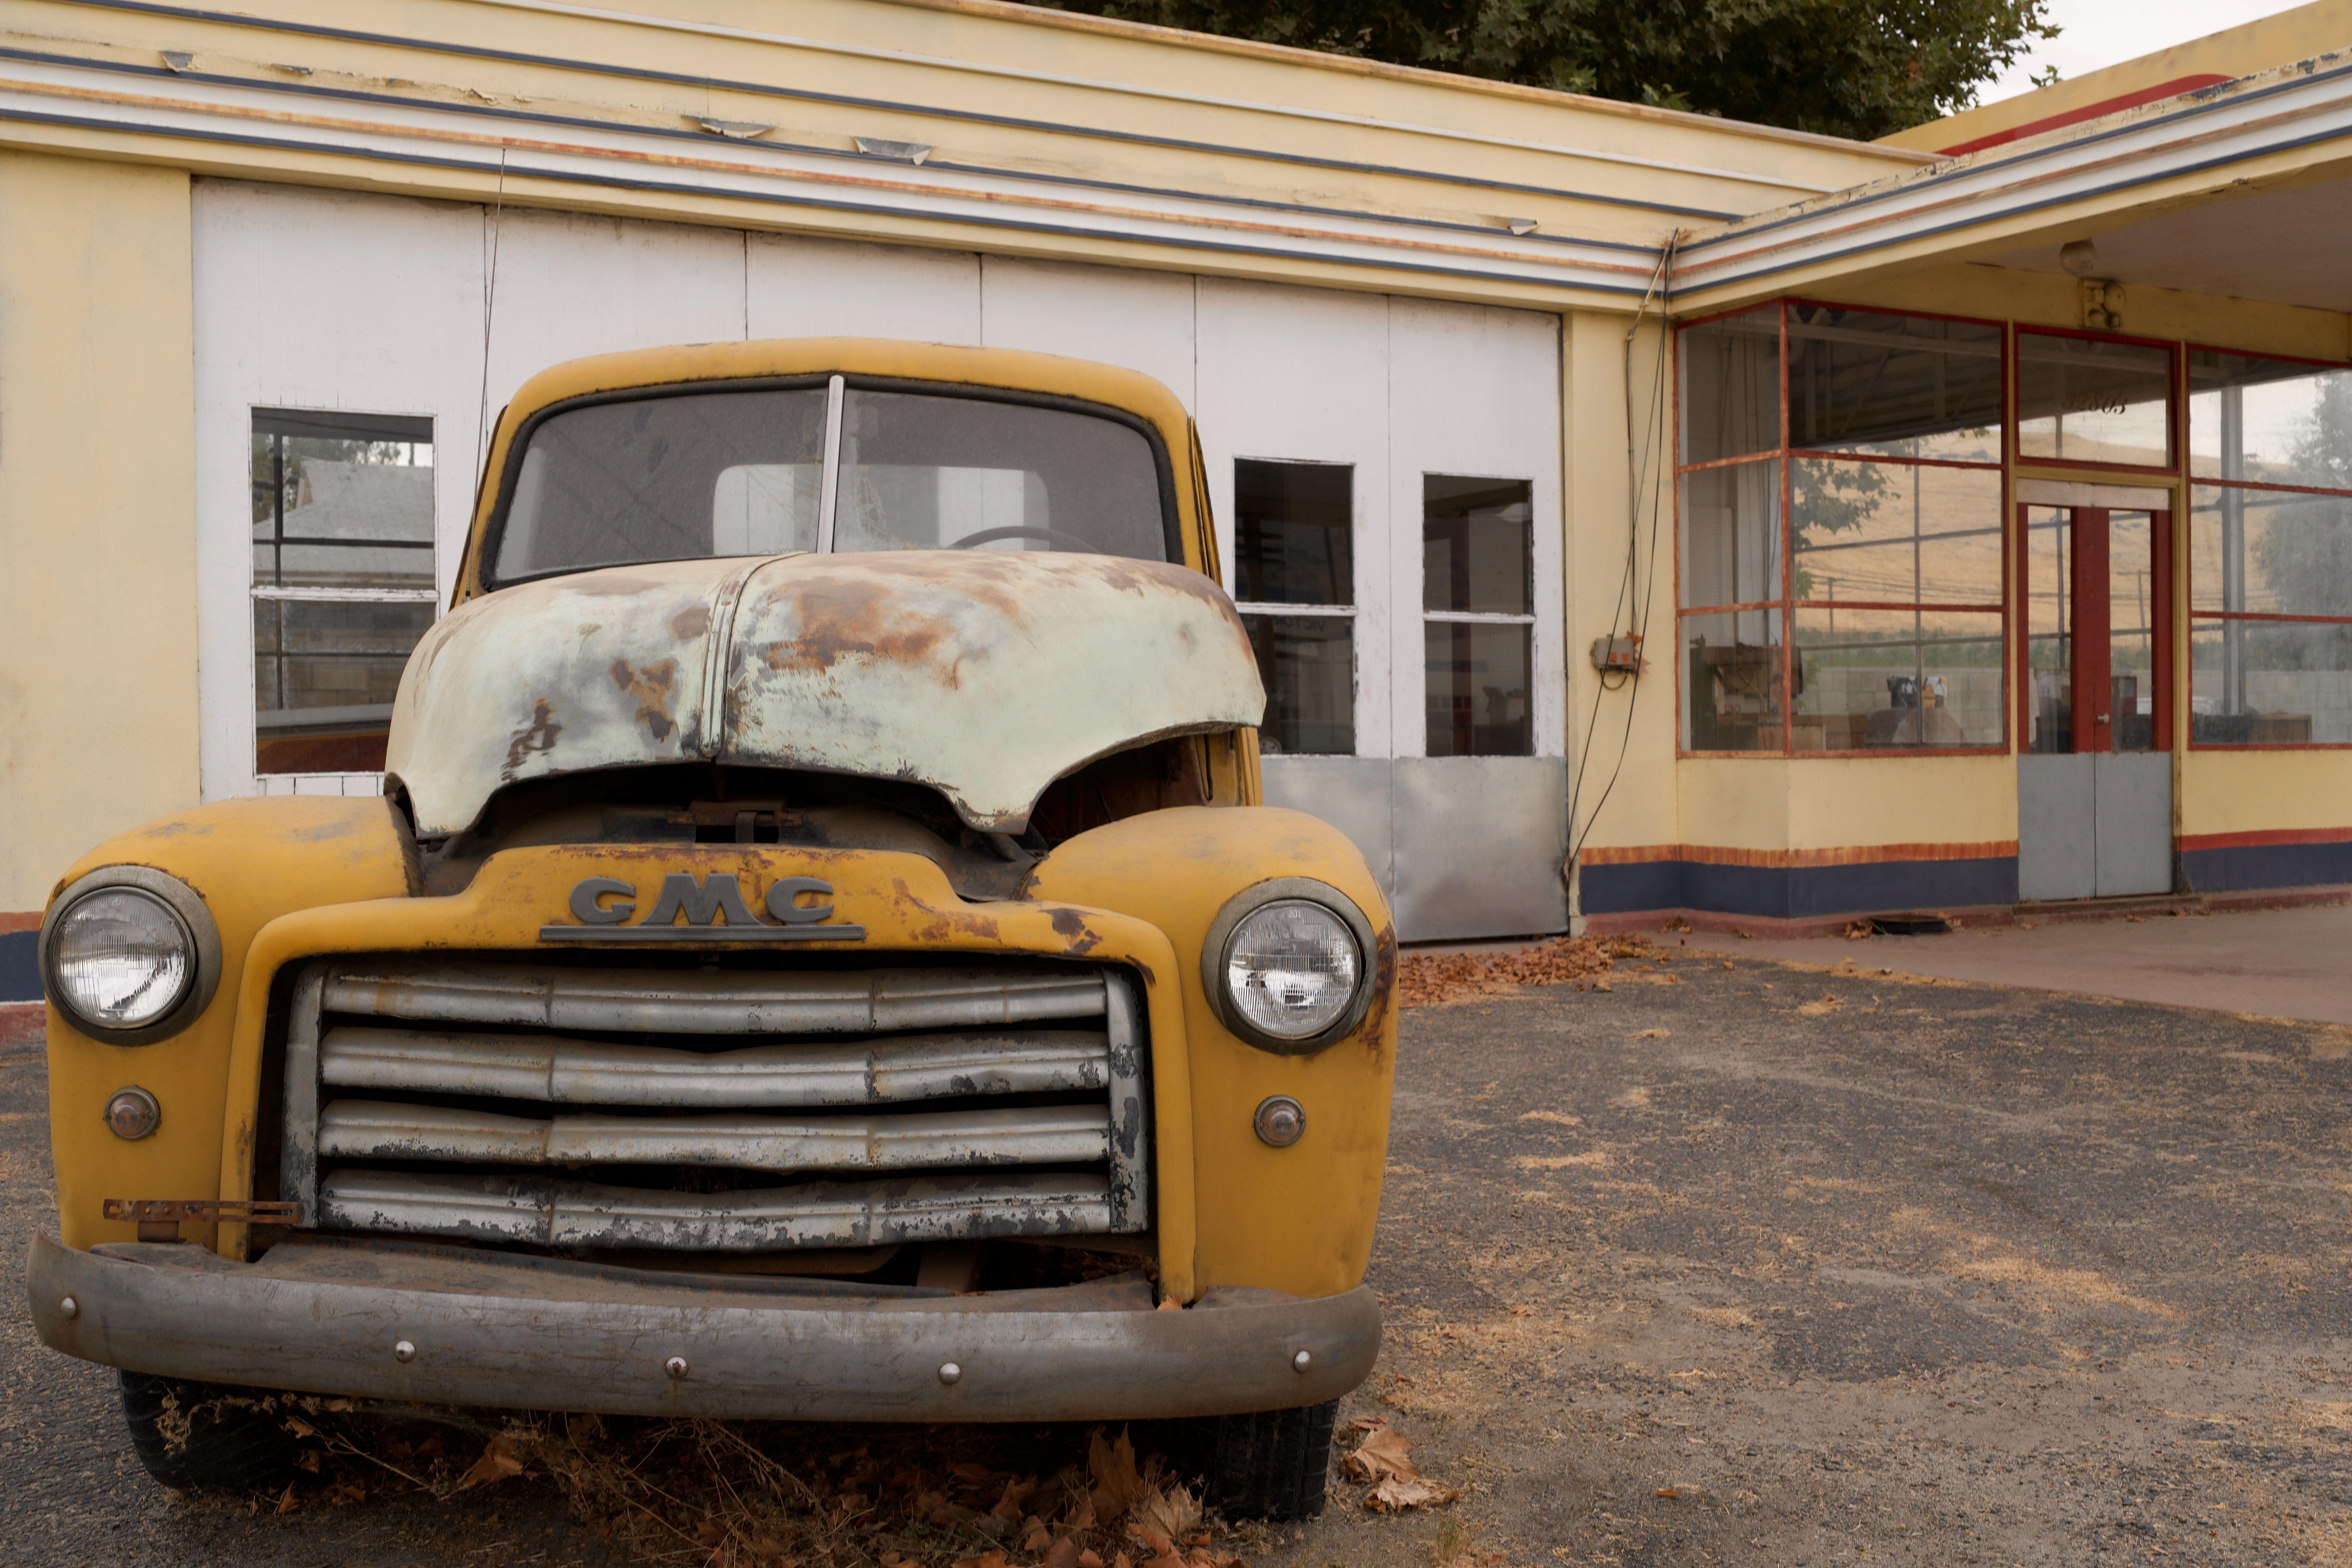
{"x": 2267, "y": 421}
{"x": 1476, "y": 695}
{"x": 1731, "y": 534}
{"x": 2270, "y": 551}
{"x": 1476, "y": 544}
{"x": 2131, "y": 631}
{"x": 1731, "y": 386}
{"x": 1294, "y": 533}
{"x": 2084, "y": 400}
{"x": 1905, "y": 386}
{"x": 1868, "y": 680}
{"x": 342, "y": 582}
{"x": 1894, "y": 532}
{"x": 1731, "y": 688}
{"x": 2049, "y": 630}
{"x": 2270, "y": 683}
{"x": 1308, "y": 664}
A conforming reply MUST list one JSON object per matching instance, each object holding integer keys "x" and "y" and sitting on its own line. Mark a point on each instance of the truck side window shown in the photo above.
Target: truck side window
{"x": 1294, "y": 581}
{"x": 342, "y": 582}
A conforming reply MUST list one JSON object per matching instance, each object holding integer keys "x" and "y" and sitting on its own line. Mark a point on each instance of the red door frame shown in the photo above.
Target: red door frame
{"x": 2090, "y": 629}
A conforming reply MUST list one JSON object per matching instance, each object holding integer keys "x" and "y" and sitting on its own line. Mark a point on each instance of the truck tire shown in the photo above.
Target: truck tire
{"x": 1271, "y": 1465}
{"x": 206, "y": 1436}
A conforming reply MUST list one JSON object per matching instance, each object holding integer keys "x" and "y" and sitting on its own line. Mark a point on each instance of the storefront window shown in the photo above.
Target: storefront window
{"x": 2270, "y": 562}
{"x": 1477, "y": 539}
{"x": 1844, "y": 594}
{"x": 342, "y": 582}
{"x": 1294, "y": 581}
{"x": 2093, "y": 400}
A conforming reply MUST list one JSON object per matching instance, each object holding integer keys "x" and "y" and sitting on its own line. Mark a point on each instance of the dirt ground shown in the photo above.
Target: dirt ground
{"x": 1732, "y": 1263}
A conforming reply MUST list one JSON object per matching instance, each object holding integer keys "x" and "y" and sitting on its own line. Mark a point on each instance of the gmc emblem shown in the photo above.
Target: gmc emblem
{"x": 712, "y": 908}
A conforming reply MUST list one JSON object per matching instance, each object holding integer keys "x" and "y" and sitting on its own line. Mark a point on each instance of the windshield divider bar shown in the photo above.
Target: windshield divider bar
{"x": 831, "y": 489}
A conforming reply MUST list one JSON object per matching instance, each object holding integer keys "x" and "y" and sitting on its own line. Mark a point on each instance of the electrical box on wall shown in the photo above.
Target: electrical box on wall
{"x": 1621, "y": 655}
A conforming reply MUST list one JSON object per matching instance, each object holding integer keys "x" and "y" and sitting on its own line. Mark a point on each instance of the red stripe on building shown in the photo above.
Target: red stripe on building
{"x": 1778, "y": 859}
{"x": 2172, "y": 88}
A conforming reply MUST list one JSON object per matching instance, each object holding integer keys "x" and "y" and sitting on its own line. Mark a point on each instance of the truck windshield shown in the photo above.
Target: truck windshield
{"x": 742, "y": 473}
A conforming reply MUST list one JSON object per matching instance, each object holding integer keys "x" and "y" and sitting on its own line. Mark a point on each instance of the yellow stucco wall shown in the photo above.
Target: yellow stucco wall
{"x": 98, "y": 614}
{"x": 2263, "y": 792}
{"x": 2283, "y": 40}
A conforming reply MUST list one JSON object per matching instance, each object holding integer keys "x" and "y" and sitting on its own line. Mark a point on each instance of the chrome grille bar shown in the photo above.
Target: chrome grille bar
{"x": 580, "y": 1213}
{"x": 715, "y": 1002}
{"x": 562, "y": 1071}
{"x": 1046, "y": 1135}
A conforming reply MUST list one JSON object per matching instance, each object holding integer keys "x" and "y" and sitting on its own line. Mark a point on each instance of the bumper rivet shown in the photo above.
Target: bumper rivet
{"x": 1301, "y": 1362}
{"x": 69, "y": 1308}
{"x": 674, "y": 1366}
{"x": 949, "y": 1373}
{"x": 403, "y": 1350}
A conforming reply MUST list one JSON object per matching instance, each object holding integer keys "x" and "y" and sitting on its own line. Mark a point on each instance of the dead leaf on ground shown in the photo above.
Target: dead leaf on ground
{"x": 1651, "y": 1034}
{"x": 1119, "y": 1485}
{"x": 286, "y": 1504}
{"x": 1062, "y": 1554}
{"x": 993, "y": 1559}
{"x": 1859, "y": 930}
{"x": 1395, "y": 1495}
{"x": 1815, "y": 1009}
{"x": 499, "y": 1461}
{"x": 1172, "y": 1511}
{"x": 1384, "y": 1454}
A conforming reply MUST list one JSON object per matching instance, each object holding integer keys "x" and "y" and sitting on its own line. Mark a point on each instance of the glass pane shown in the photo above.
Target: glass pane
{"x": 1476, "y": 698}
{"x": 342, "y": 513}
{"x": 324, "y": 675}
{"x": 1867, "y": 680}
{"x": 1890, "y": 531}
{"x": 1731, "y": 690}
{"x": 2273, "y": 550}
{"x": 2086, "y": 401}
{"x": 1731, "y": 534}
{"x": 1308, "y": 666}
{"x": 2131, "y": 631}
{"x": 2269, "y": 420}
{"x": 960, "y": 473}
{"x": 1903, "y": 385}
{"x": 1475, "y": 541}
{"x": 2270, "y": 683}
{"x": 2049, "y": 630}
{"x": 1294, "y": 533}
{"x": 1731, "y": 386}
{"x": 649, "y": 478}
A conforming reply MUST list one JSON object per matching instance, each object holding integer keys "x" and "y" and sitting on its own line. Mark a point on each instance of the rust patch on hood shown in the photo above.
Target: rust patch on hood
{"x": 653, "y": 685}
{"x": 841, "y": 619}
{"x": 1071, "y": 926}
{"x": 692, "y": 622}
{"x": 539, "y": 735}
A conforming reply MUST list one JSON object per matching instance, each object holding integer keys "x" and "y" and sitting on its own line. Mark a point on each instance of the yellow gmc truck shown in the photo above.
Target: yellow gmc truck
{"x": 819, "y": 955}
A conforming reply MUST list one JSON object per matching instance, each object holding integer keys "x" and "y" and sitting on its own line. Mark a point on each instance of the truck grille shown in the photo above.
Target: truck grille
{"x": 703, "y": 1109}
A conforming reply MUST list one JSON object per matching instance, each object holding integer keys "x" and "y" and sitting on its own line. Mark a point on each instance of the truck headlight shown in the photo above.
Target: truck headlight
{"x": 129, "y": 954}
{"x": 1287, "y": 964}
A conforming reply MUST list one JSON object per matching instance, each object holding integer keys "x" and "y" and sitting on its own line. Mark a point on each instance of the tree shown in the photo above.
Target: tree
{"x": 1844, "y": 68}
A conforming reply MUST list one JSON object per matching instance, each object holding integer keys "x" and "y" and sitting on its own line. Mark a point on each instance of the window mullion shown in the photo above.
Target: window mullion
{"x": 829, "y": 487}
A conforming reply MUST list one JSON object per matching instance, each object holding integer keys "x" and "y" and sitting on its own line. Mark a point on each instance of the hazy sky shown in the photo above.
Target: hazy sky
{"x": 2107, "y": 32}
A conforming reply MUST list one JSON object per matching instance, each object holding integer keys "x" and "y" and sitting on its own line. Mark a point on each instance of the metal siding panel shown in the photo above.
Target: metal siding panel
{"x": 1354, "y": 795}
{"x": 2133, "y": 799}
{"x": 1479, "y": 843}
{"x": 2056, "y": 844}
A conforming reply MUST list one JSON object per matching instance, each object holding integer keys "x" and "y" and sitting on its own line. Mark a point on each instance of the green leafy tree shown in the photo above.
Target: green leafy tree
{"x": 1844, "y": 68}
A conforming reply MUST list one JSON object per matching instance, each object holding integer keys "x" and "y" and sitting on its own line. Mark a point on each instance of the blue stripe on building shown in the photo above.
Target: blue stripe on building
{"x": 20, "y": 977}
{"x": 1797, "y": 892}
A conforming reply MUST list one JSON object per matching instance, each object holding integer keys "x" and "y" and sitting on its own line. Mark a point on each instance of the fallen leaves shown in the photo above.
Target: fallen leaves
{"x": 1828, "y": 1003}
{"x": 1427, "y": 979}
{"x": 1382, "y": 1456}
{"x": 501, "y": 1458}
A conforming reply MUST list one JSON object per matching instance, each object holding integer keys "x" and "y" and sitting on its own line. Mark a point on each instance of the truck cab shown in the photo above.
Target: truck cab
{"x": 819, "y": 954}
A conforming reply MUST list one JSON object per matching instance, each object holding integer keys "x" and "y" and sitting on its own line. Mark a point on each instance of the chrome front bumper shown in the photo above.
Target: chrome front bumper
{"x": 448, "y": 1326}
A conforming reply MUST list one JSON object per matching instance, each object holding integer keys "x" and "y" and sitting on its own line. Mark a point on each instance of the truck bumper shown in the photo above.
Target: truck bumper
{"x": 444, "y": 1325}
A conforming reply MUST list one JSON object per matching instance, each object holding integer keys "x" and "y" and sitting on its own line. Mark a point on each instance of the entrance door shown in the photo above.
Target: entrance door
{"x": 2095, "y": 781}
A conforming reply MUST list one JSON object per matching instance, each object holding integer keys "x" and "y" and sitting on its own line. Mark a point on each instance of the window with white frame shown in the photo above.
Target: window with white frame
{"x": 1294, "y": 581}
{"x": 1478, "y": 621}
{"x": 342, "y": 582}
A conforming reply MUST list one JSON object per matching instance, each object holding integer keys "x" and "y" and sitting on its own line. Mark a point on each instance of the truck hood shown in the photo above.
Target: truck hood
{"x": 984, "y": 674}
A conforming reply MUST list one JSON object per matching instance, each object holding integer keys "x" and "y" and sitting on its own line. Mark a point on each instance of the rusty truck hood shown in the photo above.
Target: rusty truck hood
{"x": 986, "y": 675}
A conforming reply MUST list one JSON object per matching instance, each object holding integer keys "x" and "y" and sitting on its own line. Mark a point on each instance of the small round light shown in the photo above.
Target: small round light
{"x": 676, "y": 1368}
{"x": 1280, "y": 1120}
{"x": 122, "y": 958}
{"x": 132, "y": 1113}
{"x": 1291, "y": 968}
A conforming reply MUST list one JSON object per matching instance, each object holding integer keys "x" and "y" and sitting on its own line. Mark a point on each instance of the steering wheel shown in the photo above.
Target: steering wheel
{"x": 1050, "y": 535}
